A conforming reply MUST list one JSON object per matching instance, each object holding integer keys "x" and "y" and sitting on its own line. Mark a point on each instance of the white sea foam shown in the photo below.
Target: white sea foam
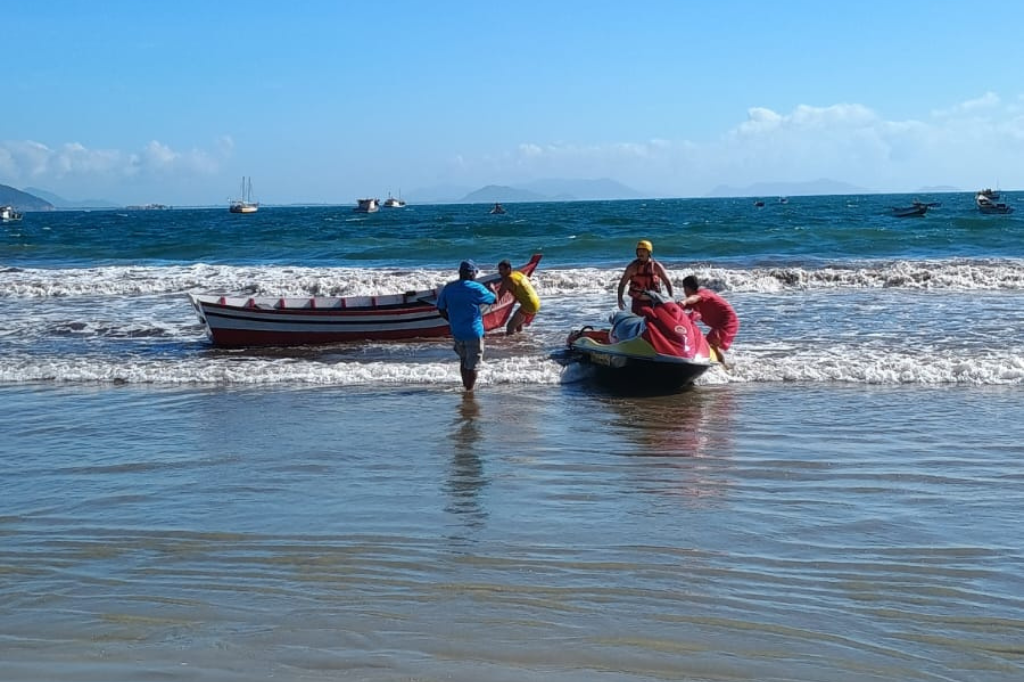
{"x": 958, "y": 324}
{"x": 251, "y": 371}
{"x": 249, "y": 280}
{"x": 306, "y": 281}
{"x": 848, "y": 366}
{"x": 744, "y": 367}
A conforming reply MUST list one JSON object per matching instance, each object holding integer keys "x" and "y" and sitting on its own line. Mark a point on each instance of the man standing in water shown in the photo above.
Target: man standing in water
{"x": 523, "y": 291}
{"x": 643, "y": 274}
{"x": 459, "y": 303}
{"x": 715, "y": 312}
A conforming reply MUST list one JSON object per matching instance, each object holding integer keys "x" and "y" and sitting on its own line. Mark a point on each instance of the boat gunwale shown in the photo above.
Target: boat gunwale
{"x": 398, "y": 319}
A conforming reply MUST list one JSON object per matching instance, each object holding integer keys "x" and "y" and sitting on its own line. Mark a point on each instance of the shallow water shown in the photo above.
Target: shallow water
{"x": 781, "y": 531}
{"x": 842, "y": 504}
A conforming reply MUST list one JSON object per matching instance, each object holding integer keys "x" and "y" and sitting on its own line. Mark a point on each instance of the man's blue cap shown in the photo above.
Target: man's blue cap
{"x": 468, "y": 267}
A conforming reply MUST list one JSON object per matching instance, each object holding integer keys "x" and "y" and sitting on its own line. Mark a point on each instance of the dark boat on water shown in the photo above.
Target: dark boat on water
{"x": 917, "y": 208}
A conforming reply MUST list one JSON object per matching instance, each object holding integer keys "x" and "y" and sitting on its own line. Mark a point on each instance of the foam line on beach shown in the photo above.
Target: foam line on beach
{"x": 305, "y": 281}
{"x": 250, "y": 371}
{"x": 940, "y": 368}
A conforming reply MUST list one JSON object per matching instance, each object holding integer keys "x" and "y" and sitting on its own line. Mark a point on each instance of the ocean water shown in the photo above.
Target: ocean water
{"x": 842, "y": 504}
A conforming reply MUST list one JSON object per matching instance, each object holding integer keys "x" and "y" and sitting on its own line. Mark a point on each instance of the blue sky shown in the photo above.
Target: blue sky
{"x": 321, "y": 101}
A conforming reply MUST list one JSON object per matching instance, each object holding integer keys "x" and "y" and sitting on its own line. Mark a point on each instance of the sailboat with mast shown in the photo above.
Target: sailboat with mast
{"x": 244, "y": 203}
{"x": 392, "y": 202}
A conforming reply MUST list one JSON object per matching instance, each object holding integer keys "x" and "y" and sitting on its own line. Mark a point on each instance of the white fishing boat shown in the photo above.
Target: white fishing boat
{"x": 986, "y": 195}
{"x": 9, "y": 215}
{"x": 244, "y": 202}
{"x": 988, "y": 202}
{"x": 392, "y": 202}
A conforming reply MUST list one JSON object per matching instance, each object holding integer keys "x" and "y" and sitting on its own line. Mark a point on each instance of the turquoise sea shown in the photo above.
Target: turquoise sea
{"x": 842, "y": 504}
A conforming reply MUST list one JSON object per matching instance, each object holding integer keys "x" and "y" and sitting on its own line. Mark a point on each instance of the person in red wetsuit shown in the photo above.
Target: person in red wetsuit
{"x": 643, "y": 274}
{"x": 715, "y": 312}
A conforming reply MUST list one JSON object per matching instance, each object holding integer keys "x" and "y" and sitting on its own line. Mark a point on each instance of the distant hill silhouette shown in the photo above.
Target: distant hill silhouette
{"x": 493, "y": 193}
{"x": 582, "y": 190}
{"x": 939, "y": 188}
{"x": 437, "y": 194}
{"x": 23, "y": 201}
{"x": 823, "y": 186}
{"x": 553, "y": 190}
{"x": 61, "y": 202}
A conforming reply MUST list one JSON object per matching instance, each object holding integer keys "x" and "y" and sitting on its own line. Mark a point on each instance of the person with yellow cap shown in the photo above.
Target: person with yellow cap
{"x": 643, "y": 274}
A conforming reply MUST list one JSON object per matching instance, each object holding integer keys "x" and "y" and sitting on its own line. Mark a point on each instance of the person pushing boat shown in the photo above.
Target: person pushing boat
{"x": 519, "y": 285}
{"x": 459, "y": 302}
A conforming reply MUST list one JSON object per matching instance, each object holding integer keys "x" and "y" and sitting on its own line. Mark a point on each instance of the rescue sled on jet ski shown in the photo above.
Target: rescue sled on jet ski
{"x": 659, "y": 349}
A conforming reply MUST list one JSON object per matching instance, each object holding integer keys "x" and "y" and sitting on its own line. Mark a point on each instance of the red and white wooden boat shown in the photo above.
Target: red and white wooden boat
{"x": 270, "y": 321}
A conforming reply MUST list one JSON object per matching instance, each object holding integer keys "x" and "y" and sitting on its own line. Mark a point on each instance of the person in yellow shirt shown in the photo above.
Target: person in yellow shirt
{"x": 519, "y": 285}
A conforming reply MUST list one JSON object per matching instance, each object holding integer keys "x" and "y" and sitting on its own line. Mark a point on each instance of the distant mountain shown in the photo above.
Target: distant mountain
{"x": 552, "y": 190}
{"x": 581, "y": 190}
{"x": 61, "y": 202}
{"x": 23, "y": 201}
{"x": 823, "y": 186}
{"x": 939, "y": 188}
{"x": 493, "y": 193}
{"x": 437, "y": 194}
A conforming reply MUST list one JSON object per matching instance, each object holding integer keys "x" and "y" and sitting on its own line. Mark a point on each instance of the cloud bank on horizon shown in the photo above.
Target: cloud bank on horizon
{"x": 31, "y": 161}
{"x": 968, "y": 144}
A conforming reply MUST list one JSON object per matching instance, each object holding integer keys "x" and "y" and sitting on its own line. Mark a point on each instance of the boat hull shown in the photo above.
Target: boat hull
{"x": 634, "y": 365}
{"x": 268, "y": 321}
{"x": 989, "y": 203}
{"x": 995, "y": 209}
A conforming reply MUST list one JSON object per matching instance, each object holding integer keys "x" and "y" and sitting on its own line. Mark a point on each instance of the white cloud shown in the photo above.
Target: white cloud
{"x": 763, "y": 123}
{"x": 159, "y": 155}
{"x": 530, "y": 150}
{"x": 967, "y": 145}
{"x": 23, "y": 161}
{"x": 760, "y": 120}
{"x": 987, "y": 102}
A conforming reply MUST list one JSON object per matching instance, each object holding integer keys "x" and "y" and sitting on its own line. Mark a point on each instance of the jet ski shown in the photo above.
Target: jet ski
{"x": 660, "y": 348}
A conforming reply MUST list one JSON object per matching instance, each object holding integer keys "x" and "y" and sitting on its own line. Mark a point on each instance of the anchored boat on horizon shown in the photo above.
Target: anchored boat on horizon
{"x": 244, "y": 202}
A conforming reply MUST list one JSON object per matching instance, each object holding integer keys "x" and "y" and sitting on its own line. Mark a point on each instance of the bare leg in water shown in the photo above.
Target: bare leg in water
{"x": 515, "y": 324}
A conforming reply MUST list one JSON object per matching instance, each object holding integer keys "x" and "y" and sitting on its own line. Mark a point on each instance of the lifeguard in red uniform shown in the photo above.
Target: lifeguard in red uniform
{"x": 714, "y": 311}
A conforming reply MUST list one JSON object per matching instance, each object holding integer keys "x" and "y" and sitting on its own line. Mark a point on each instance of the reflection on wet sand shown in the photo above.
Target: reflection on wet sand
{"x": 690, "y": 433}
{"x": 466, "y": 471}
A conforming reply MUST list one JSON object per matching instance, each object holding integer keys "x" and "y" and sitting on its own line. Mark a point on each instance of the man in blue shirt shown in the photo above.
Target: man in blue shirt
{"x": 459, "y": 303}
